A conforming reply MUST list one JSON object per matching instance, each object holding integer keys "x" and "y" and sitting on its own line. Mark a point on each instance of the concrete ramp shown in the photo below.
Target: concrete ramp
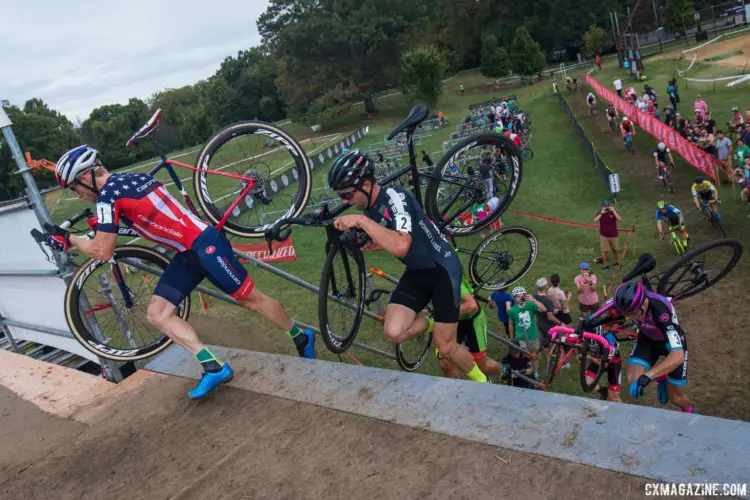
{"x": 649, "y": 442}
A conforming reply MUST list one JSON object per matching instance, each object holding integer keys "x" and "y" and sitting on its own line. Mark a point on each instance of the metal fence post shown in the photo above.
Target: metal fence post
{"x": 6, "y": 331}
{"x": 42, "y": 214}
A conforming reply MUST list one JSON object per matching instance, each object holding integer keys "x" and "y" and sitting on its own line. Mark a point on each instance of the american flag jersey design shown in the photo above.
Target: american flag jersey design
{"x": 142, "y": 203}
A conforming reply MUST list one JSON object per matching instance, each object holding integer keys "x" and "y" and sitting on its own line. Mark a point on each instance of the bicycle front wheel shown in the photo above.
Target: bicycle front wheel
{"x": 503, "y": 258}
{"x": 700, "y": 269}
{"x": 341, "y": 300}
{"x": 593, "y": 356}
{"x": 260, "y": 151}
{"x": 98, "y": 314}
{"x": 463, "y": 180}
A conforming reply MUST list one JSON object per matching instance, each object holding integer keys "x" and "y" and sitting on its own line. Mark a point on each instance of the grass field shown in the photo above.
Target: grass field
{"x": 559, "y": 182}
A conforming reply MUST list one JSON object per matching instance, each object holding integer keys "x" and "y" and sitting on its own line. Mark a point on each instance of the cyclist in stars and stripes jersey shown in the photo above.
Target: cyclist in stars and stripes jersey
{"x": 142, "y": 203}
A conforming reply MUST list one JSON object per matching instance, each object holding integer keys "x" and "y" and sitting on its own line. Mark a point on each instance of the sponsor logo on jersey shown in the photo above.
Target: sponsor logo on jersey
{"x": 664, "y": 317}
{"x": 147, "y": 185}
{"x": 210, "y": 249}
{"x": 158, "y": 226}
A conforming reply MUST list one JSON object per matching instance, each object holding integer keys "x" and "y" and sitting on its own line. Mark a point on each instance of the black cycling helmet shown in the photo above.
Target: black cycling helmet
{"x": 630, "y": 296}
{"x": 350, "y": 169}
{"x": 699, "y": 179}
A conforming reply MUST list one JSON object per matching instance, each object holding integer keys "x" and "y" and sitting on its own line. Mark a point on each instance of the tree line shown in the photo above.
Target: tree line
{"x": 316, "y": 58}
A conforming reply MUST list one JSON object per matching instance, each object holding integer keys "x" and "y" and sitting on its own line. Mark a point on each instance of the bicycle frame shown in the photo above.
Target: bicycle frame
{"x": 168, "y": 164}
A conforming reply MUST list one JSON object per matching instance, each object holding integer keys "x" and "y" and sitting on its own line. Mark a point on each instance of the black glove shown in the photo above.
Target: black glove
{"x": 57, "y": 238}
{"x": 638, "y": 386}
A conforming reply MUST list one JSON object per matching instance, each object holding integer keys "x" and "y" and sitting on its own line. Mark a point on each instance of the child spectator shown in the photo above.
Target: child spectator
{"x": 561, "y": 300}
{"x": 700, "y": 106}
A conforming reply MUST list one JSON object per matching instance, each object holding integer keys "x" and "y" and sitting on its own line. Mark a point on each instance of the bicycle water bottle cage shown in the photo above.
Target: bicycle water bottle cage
{"x": 646, "y": 263}
{"x": 417, "y": 115}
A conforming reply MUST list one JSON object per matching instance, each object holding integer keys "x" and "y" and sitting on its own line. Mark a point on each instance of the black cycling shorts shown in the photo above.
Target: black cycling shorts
{"x": 417, "y": 288}
{"x": 707, "y": 196}
{"x": 646, "y": 352}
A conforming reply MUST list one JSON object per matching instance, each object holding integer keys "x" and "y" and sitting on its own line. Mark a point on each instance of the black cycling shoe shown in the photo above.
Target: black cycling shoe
{"x": 603, "y": 393}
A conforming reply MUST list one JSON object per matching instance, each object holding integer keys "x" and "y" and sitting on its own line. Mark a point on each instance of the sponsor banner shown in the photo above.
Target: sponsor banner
{"x": 282, "y": 251}
{"x": 669, "y": 136}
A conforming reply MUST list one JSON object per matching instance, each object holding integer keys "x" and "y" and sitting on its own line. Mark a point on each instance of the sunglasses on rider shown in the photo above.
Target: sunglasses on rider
{"x": 347, "y": 196}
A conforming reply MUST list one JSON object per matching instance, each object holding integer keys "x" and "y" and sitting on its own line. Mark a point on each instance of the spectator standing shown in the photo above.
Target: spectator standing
{"x": 588, "y": 299}
{"x": 618, "y": 87}
{"x": 700, "y": 106}
{"x": 642, "y": 104}
{"x": 709, "y": 123}
{"x": 461, "y": 88}
{"x": 546, "y": 319}
{"x": 560, "y": 299}
{"x": 745, "y": 135}
{"x": 743, "y": 151}
{"x": 599, "y": 62}
{"x": 522, "y": 316}
{"x": 672, "y": 93}
{"x": 669, "y": 118}
{"x": 724, "y": 152}
{"x": 503, "y": 301}
{"x": 607, "y": 219}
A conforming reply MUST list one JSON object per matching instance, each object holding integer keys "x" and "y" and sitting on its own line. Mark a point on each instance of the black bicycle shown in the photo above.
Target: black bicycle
{"x": 452, "y": 191}
{"x": 694, "y": 273}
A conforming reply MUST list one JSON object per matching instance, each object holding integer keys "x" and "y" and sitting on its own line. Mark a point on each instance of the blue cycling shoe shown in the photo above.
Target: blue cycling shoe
{"x": 211, "y": 380}
{"x": 309, "y": 350}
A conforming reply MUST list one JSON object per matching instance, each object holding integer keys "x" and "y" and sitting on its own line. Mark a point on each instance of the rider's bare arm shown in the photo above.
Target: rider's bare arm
{"x": 672, "y": 361}
{"x": 468, "y": 306}
{"x": 101, "y": 247}
{"x": 395, "y": 243}
{"x": 659, "y": 229}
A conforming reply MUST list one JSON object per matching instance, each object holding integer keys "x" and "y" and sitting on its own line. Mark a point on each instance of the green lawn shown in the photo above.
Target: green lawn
{"x": 559, "y": 182}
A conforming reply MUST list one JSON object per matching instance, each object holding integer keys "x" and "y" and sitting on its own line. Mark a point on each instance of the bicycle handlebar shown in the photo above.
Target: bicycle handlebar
{"x": 587, "y": 335}
{"x": 281, "y": 230}
{"x": 40, "y": 237}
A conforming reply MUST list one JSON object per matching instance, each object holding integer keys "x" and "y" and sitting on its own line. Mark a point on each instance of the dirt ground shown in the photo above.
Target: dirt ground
{"x": 724, "y": 46}
{"x": 714, "y": 320}
{"x": 714, "y": 49}
{"x": 156, "y": 443}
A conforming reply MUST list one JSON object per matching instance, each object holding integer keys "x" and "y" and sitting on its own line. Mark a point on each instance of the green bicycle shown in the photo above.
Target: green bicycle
{"x": 679, "y": 246}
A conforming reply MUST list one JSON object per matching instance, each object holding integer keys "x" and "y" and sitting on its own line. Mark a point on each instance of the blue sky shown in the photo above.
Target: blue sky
{"x": 77, "y": 55}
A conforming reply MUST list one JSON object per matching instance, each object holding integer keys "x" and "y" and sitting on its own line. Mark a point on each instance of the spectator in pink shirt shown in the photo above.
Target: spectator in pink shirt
{"x": 700, "y": 106}
{"x": 588, "y": 299}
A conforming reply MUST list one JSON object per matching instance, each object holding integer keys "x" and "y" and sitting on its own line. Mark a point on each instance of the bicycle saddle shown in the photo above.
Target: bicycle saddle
{"x": 646, "y": 263}
{"x": 417, "y": 115}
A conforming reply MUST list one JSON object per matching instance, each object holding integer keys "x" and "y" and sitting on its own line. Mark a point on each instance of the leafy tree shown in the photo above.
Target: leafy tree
{"x": 678, "y": 14}
{"x": 422, "y": 71}
{"x": 526, "y": 56}
{"x": 319, "y": 44}
{"x": 495, "y": 61}
{"x": 596, "y": 40}
{"x": 40, "y": 131}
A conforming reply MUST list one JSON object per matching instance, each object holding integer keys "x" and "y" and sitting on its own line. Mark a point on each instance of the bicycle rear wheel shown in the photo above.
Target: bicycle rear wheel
{"x": 450, "y": 198}
{"x": 700, "y": 269}
{"x": 262, "y": 152}
{"x": 341, "y": 300}
{"x": 96, "y": 312}
{"x": 503, "y": 258}
{"x": 411, "y": 354}
{"x": 594, "y": 354}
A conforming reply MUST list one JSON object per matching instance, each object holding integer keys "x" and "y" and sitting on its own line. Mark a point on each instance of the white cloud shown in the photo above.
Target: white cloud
{"x": 80, "y": 54}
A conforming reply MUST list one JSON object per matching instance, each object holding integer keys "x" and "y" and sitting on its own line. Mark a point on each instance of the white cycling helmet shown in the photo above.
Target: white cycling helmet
{"x": 662, "y": 146}
{"x": 519, "y": 290}
{"x": 624, "y": 118}
{"x": 72, "y": 163}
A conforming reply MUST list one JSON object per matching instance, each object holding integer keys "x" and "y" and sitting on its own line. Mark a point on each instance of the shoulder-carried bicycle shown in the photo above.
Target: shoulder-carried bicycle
{"x": 694, "y": 273}
{"x": 235, "y": 183}
{"x": 452, "y": 190}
